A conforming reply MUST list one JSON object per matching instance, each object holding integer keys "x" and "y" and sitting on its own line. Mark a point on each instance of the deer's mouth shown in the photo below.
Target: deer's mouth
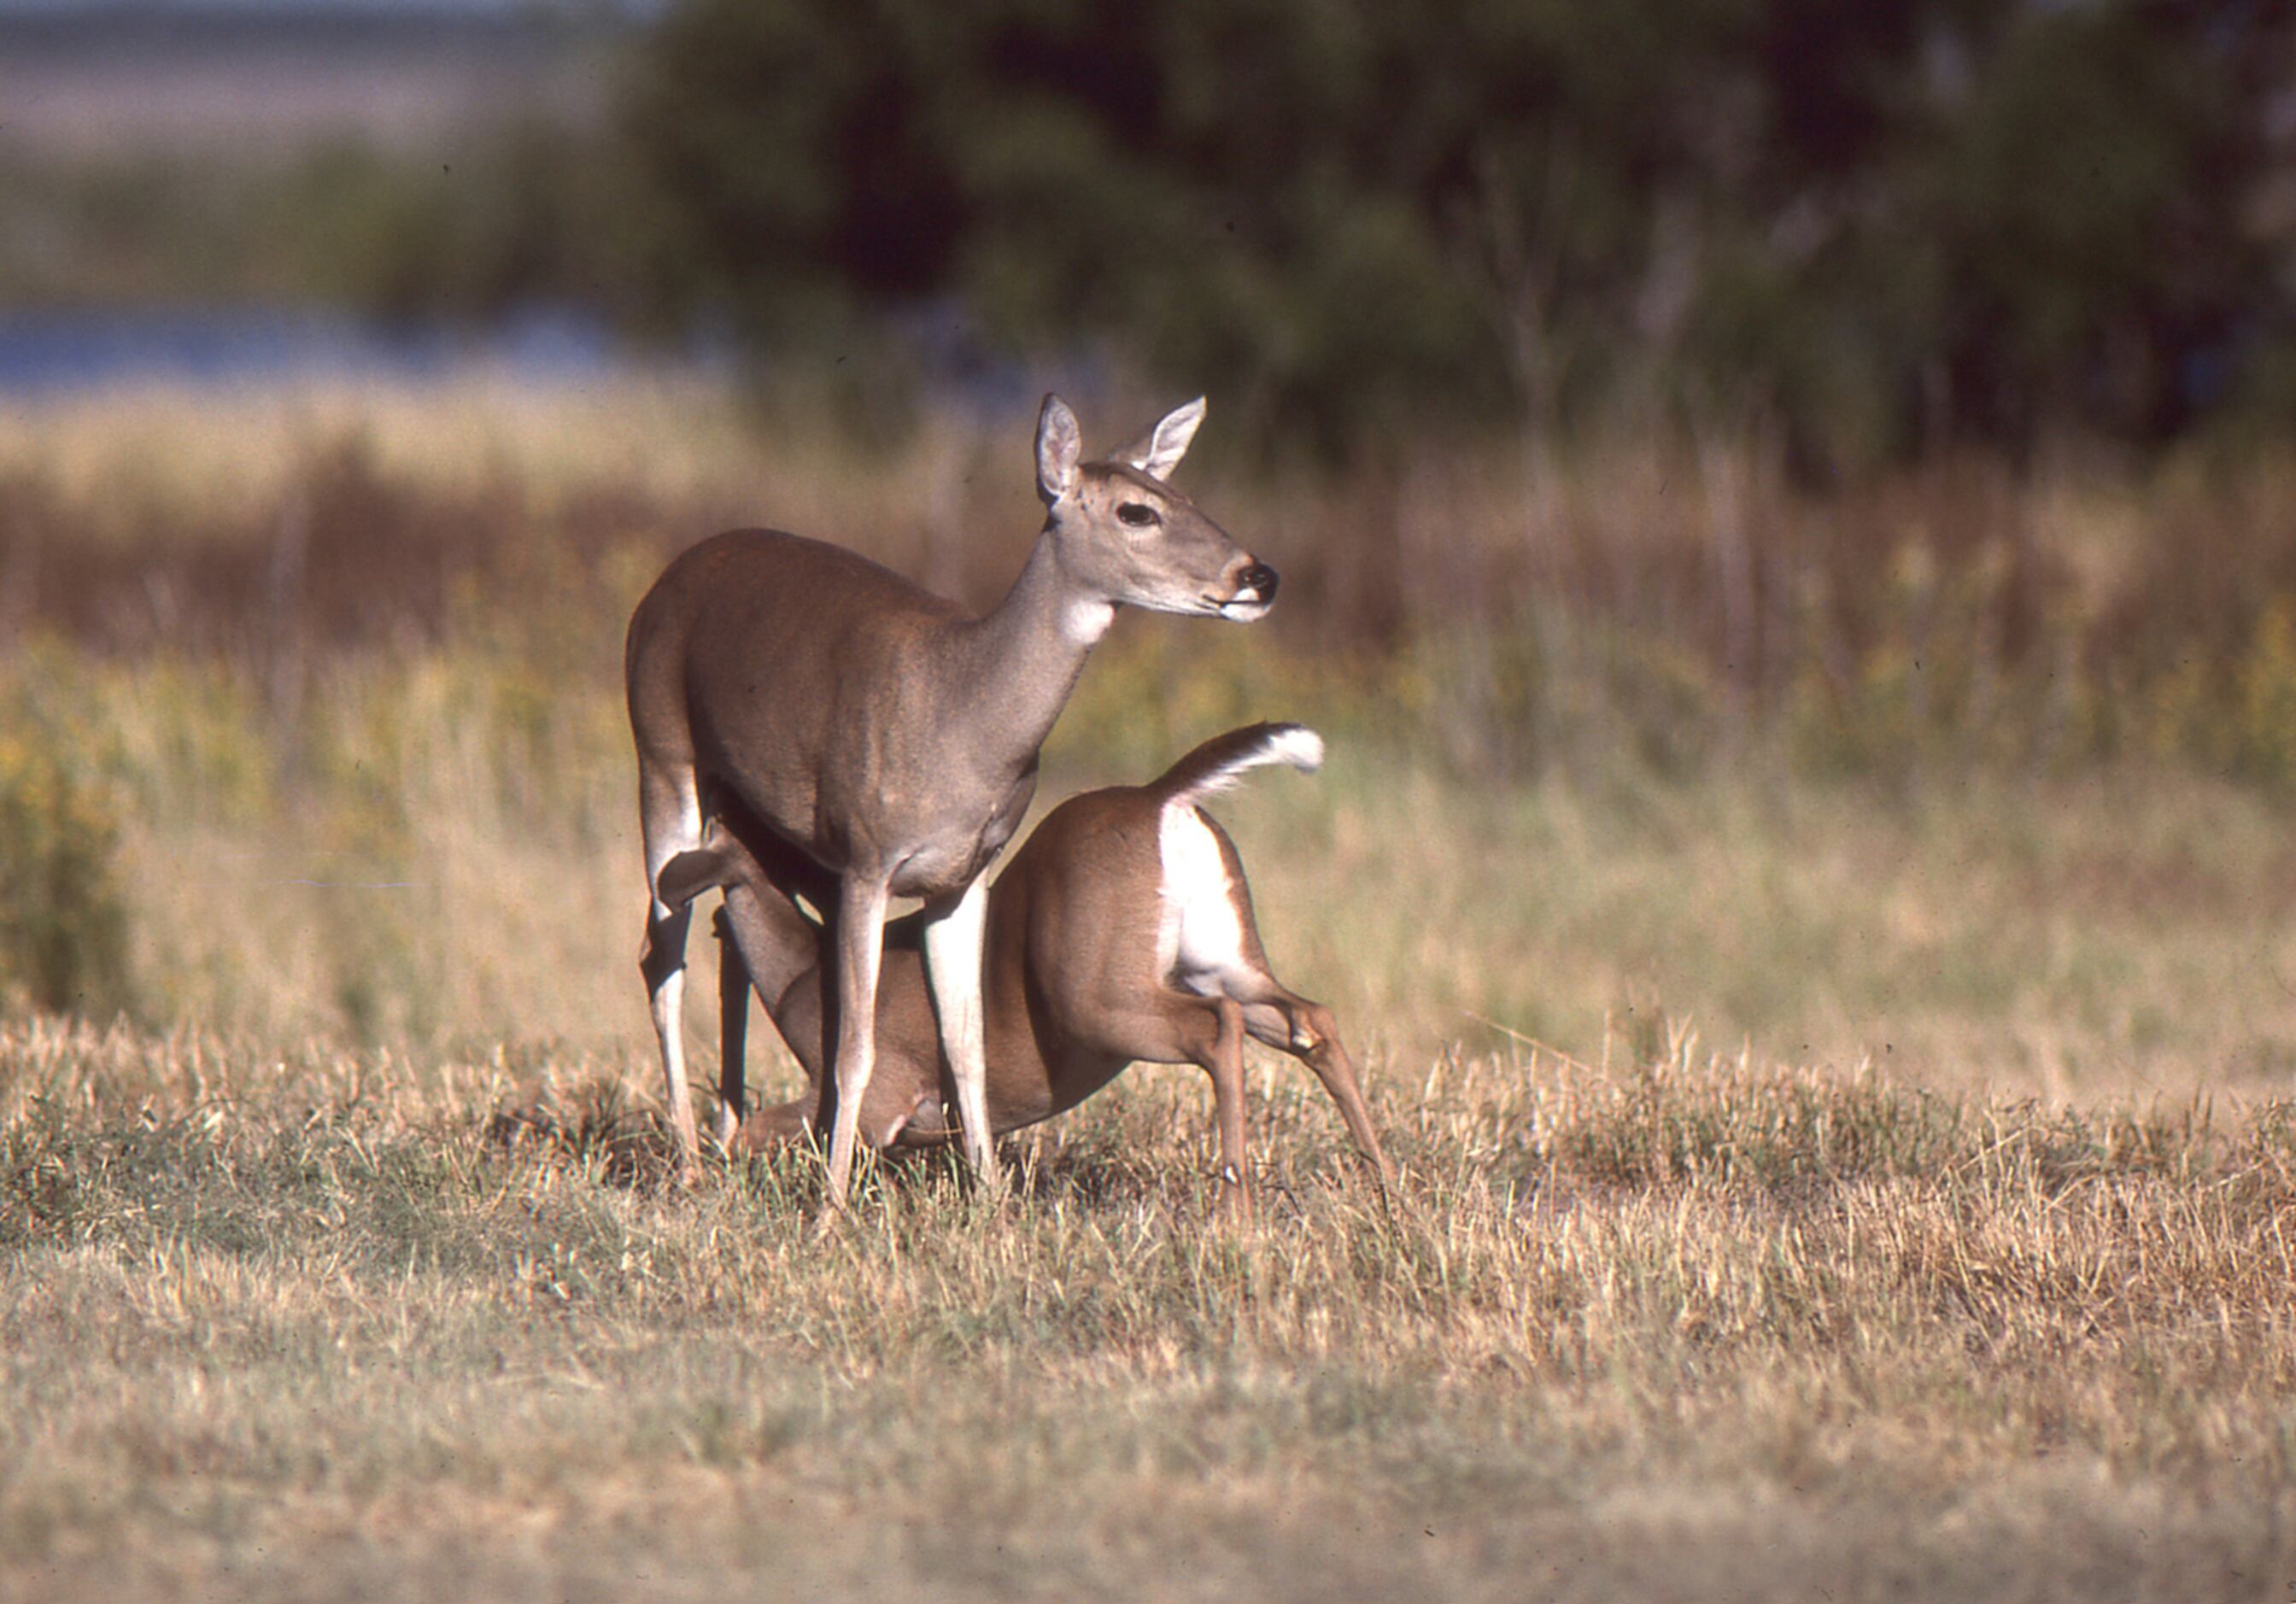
{"x": 1243, "y": 609}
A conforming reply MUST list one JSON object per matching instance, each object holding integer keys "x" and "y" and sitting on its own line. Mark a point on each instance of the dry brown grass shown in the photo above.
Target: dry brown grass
{"x": 1690, "y": 1329}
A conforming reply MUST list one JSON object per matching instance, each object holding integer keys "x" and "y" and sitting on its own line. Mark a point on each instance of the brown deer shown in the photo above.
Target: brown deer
{"x": 889, "y": 737}
{"x": 1122, "y": 930}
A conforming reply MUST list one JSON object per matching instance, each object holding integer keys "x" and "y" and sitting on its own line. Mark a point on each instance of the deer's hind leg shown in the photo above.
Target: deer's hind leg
{"x": 1226, "y": 1066}
{"x": 733, "y": 1031}
{"x": 669, "y": 814}
{"x": 765, "y": 947}
{"x": 1173, "y": 1026}
{"x": 1290, "y": 1023}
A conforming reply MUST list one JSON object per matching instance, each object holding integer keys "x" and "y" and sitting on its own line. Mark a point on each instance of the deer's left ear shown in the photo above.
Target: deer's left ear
{"x": 1059, "y": 444}
{"x": 1159, "y": 450}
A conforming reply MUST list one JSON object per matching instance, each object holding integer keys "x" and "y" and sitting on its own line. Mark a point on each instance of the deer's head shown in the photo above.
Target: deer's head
{"x": 1124, "y": 533}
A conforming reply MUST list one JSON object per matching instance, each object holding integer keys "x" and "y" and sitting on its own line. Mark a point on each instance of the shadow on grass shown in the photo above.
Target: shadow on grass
{"x": 597, "y": 1127}
{"x": 602, "y": 1127}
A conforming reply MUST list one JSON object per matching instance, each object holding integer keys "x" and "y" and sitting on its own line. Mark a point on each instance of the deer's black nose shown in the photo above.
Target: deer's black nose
{"x": 1261, "y": 578}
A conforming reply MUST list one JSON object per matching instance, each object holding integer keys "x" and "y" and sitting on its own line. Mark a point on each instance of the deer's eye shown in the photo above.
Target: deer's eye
{"x": 1137, "y": 514}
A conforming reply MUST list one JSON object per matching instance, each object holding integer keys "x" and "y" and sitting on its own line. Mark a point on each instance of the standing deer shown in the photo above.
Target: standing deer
{"x": 888, "y": 736}
{"x": 1122, "y": 930}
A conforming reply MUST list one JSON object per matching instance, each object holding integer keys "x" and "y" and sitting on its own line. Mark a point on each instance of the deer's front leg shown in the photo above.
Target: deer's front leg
{"x": 952, "y": 966}
{"x": 860, "y": 948}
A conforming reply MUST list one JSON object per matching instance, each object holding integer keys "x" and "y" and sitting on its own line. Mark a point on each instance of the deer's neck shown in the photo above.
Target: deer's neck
{"x": 1019, "y": 660}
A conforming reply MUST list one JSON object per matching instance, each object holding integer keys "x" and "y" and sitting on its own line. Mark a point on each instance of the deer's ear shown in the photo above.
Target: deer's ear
{"x": 1159, "y": 450}
{"x": 692, "y": 872}
{"x": 1059, "y": 444}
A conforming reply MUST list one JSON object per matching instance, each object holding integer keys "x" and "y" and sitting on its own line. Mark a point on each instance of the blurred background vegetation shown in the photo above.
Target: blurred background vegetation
{"x": 1876, "y": 231}
{"x": 1807, "y": 416}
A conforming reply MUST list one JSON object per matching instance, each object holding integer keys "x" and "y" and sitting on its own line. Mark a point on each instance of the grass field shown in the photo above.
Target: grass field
{"x": 1822, "y": 1179}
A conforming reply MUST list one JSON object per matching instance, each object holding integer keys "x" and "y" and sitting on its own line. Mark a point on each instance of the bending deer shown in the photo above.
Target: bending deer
{"x": 888, "y": 736}
{"x": 1122, "y": 930}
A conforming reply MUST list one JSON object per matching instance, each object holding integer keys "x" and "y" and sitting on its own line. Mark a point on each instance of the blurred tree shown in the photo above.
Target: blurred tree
{"x": 1878, "y": 225}
{"x": 2085, "y": 191}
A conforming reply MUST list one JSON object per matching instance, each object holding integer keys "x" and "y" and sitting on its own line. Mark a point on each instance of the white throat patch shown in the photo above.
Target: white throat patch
{"x": 1085, "y": 622}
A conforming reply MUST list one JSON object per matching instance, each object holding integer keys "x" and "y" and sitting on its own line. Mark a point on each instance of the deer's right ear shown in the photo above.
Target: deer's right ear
{"x": 1059, "y": 444}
